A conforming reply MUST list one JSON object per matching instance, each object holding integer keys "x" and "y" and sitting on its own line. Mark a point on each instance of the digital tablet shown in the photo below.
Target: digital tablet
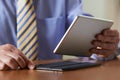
{"x": 78, "y": 37}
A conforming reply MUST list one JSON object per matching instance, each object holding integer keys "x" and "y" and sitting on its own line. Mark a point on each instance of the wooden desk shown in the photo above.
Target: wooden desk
{"x": 108, "y": 71}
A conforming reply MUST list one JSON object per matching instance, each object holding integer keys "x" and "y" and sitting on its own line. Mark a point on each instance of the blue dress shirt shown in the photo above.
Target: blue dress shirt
{"x": 53, "y": 18}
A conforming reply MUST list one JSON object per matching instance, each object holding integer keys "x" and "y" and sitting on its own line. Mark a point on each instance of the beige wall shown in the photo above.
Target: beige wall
{"x": 107, "y": 9}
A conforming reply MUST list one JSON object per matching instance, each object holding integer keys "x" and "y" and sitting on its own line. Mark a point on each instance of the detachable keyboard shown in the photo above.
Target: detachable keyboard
{"x": 65, "y": 65}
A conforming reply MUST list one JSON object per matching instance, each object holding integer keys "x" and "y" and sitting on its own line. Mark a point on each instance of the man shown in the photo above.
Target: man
{"x": 53, "y": 18}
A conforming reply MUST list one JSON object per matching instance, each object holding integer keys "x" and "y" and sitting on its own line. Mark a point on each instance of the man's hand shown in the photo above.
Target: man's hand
{"x": 13, "y": 58}
{"x": 106, "y": 43}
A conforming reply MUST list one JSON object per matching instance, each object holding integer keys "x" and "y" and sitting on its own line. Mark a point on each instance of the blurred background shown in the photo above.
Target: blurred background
{"x": 106, "y": 9}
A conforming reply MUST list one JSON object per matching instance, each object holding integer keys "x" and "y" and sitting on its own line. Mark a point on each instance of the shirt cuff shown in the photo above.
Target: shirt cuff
{"x": 96, "y": 57}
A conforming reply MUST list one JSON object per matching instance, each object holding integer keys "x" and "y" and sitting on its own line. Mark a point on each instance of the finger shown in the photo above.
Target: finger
{"x": 31, "y": 65}
{"x": 13, "y": 52}
{"x": 107, "y": 39}
{"x": 109, "y": 46}
{"x": 9, "y": 61}
{"x": 3, "y": 66}
{"x": 109, "y": 32}
{"x": 23, "y": 56}
{"x": 17, "y": 58}
{"x": 104, "y": 52}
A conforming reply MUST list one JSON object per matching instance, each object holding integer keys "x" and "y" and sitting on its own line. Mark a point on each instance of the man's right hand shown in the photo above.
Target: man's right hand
{"x": 13, "y": 58}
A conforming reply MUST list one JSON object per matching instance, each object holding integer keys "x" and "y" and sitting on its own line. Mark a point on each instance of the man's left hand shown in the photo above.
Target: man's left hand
{"x": 106, "y": 43}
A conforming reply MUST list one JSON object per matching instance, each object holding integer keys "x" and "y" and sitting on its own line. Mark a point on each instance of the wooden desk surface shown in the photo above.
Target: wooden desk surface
{"x": 107, "y": 71}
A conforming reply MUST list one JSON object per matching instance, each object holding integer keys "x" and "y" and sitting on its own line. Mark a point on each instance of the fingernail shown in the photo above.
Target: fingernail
{"x": 31, "y": 65}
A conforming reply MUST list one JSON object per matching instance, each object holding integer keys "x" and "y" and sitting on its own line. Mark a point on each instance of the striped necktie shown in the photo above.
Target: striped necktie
{"x": 26, "y": 29}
